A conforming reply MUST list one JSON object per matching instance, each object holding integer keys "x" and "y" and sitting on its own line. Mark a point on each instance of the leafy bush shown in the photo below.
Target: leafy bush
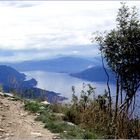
{"x": 56, "y": 126}
{"x": 5, "y": 95}
{"x": 89, "y": 135}
{"x": 33, "y": 106}
{"x": 59, "y": 108}
{"x": 72, "y": 115}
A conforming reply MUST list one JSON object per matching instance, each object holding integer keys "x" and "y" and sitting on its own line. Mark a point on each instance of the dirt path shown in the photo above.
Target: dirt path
{"x": 16, "y": 124}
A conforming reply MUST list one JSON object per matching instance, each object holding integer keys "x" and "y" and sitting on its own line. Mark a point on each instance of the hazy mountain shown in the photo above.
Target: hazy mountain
{"x": 96, "y": 74}
{"x": 10, "y": 79}
{"x": 63, "y": 64}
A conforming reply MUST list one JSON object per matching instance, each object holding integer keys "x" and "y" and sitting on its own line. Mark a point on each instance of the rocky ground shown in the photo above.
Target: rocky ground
{"x": 16, "y": 123}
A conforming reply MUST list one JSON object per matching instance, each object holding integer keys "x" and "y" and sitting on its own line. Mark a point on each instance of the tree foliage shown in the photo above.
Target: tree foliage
{"x": 121, "y": 49}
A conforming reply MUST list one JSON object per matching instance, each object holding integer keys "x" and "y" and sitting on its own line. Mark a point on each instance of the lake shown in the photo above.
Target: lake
{"x": 62, "y": 83}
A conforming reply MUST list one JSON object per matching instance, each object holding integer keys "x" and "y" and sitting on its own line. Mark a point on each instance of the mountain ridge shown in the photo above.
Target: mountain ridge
{"x": 94, "y": 74}
{"x": 67, "y": 64}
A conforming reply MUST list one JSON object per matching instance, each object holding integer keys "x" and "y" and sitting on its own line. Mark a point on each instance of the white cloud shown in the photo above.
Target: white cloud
{"x": 54, "y": 24}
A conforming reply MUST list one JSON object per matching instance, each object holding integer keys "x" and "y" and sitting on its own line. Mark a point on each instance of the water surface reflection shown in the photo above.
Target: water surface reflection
{"x": 62, "y": 83}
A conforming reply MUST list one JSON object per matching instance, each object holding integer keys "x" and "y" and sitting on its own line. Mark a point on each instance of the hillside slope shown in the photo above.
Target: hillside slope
{"x": 95, "y": 74}
{"x": 11, "y": 79}
{"x": 16, "y": 123}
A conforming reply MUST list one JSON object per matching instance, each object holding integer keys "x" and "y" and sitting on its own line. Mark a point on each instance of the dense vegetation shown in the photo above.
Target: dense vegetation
{"x": 86, "y": 117}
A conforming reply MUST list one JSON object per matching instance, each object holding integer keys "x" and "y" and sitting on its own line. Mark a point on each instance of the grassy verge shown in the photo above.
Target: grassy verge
{"x": 53, "y": 119}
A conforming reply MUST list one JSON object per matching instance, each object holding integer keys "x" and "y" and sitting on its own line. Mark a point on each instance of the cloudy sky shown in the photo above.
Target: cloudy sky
{"x": 44, "y": 29}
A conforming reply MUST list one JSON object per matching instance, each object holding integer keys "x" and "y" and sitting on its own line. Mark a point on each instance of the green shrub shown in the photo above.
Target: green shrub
{"x": 65, "y": 130}
{"x": 89, "y": 135}
{"x": 43, "y": 117}
{"x": 5, "y": 95}
{"x": 33, "y": 106}
{"x": 59, "y": 108}
{"x": 73, "y": 132}
{"x": 56, "y": 126}
{"x": 72, "y": 115}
